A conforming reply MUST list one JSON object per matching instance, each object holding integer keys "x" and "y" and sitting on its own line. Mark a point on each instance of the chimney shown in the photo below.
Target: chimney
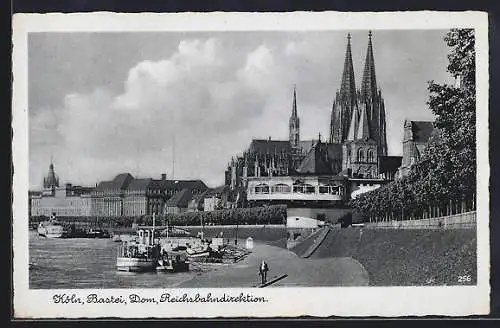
{"x": 69, "y": 192}
{"x": 164, "y": 176}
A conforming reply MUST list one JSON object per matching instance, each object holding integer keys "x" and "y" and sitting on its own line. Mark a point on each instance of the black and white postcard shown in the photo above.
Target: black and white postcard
{"x": 197, "y": 165}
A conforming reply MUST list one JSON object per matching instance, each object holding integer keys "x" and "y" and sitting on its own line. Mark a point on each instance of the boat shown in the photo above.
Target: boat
{"x": 77, "y": 232}
{"x": 173, "y": 263}
{"x": 117, "y": 238}
{"x": 141, "y": 254}
{"x": 199, "y": 250}
{"x": 145, "y": 254}
{"x": 174, "y": 232}
{"x": 51, "y": 228}
{"x": 98, "y": 233}
{"x": 205, "y": 252}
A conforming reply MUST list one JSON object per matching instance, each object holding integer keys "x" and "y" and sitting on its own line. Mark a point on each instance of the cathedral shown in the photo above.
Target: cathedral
{"x": 354, "y": 154}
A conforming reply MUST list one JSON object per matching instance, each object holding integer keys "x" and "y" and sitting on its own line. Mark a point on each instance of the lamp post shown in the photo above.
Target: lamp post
{"x": 201, "y": 223}
{"x": 236, "y": 239}
{"x": 153, "y": 231}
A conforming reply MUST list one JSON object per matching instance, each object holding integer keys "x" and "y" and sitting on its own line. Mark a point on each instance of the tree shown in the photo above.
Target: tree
{"x": 446, "y": 171}
{"x": 455, "y": 109}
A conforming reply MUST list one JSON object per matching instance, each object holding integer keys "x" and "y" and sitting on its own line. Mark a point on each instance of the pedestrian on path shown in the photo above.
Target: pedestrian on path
{"x": 264, "y": 268}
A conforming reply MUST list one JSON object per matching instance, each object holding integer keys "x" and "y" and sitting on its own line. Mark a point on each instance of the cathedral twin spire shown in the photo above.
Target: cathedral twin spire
{"x": 348, "y": 86}
{"x": 358, "y": 114}
{"x": 369, "y": 83}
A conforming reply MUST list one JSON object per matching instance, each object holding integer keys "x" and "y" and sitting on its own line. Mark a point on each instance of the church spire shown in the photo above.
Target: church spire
{"x": 345, "y": 100}
{"x": 353, "y": 127}
{"x": 369, "y": 83}
{"x": 294, "y": 123}
{"x": 363, "y": 128}
{"x": 348, "y": 86}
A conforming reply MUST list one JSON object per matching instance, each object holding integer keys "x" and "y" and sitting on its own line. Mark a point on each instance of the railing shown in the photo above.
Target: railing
{"x": 456, "y": 221}
{"x": 293, "y": 196}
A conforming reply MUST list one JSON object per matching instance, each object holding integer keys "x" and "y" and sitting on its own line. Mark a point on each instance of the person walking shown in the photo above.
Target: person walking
{"x": 264, "y": 268}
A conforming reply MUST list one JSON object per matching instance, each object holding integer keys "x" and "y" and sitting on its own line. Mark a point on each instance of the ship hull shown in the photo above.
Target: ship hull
{"x": 133, "y": 264}
{"x": 51, "y": 231}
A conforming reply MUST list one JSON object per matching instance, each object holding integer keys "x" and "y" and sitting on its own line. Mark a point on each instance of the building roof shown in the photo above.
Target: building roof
{"x": 104, "y": 185}
{"x": 198, "y": 199}
{"x": 422, "y": 130}
{"x": 334, "y": 151}
{"x": 81, "y": 190}
{"x": 269, "y": 146}
{"x": 181, "y": 184}
{"x": 216, "y": 191}
{"x": 389, "y": 164}
{"x": 180, "y": 199}
{"x": 141, "y": 184}
{"x": 306, "y": 145}
{"x": 34, "y": 193}
{"x": 121, "y": 181}
{"x": 315, "y": 161}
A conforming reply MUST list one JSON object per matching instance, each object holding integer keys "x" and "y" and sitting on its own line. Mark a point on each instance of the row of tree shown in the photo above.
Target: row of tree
{"x": 443, "y": 181}
{"x": 275, "y": 214}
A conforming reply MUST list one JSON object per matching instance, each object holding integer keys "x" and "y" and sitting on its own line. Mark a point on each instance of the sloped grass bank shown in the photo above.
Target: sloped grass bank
{"x": 407, "y": 257}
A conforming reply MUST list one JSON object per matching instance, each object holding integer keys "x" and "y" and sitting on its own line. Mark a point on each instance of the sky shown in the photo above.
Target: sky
{"x": 101, "y": 104}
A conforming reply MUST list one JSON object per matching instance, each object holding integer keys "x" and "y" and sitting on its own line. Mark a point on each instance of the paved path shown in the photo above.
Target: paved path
{"x": 343, "y": 271}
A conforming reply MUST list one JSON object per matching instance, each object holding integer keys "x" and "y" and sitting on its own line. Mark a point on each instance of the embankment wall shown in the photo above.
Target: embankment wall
{"x": 330, "y": 214}
{"x": 266, "y": 233}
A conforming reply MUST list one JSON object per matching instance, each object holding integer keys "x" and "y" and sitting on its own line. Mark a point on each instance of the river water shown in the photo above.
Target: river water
{"x": 89, "y": 263}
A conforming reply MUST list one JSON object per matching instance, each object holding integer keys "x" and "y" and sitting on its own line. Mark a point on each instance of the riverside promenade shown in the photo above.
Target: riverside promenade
{"x": 342, "y": 271}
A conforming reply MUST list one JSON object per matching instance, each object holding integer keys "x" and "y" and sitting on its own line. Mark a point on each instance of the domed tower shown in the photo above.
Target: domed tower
{"x": 51, "y": 181}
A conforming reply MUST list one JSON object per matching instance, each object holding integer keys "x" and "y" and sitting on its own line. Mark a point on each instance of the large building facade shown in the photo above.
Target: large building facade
{"x": 67, "y": 200}
{"x": 124, "y": 196}
{"x": 351, "y": 160}
{"x": 416, "y": 137}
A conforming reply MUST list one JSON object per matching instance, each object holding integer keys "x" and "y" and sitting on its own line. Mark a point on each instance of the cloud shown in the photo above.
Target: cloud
{"x": 190, "y": 96}
{"x": 213, "y": 94}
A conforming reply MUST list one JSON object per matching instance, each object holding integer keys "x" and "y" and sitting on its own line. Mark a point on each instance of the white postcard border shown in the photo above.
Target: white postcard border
{"x": 287, "y": 302}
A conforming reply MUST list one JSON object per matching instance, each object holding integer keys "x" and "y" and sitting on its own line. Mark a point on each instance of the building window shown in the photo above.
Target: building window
{"x": 361, "y": 155}
{"x": 304, "y": 188}
{"x": 262, "y": 189}
{"x": 329, "y": 189}
{"x": 370, "y": 156}
{"x": 283, "y": 188}
{"x": 324, "y": 189}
